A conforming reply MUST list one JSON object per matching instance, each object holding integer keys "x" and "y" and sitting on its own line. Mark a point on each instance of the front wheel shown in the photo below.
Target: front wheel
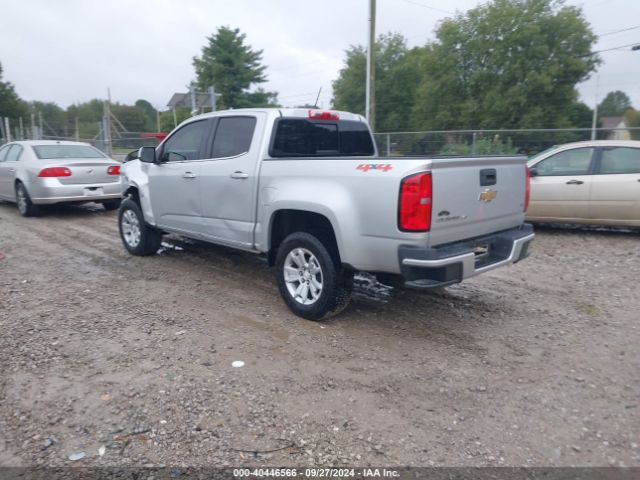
{"x": 138, "y": 237}
{"x": 311, "y": 280}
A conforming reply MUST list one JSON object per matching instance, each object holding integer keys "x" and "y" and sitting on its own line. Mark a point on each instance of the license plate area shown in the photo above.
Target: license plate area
{"x": 93, "y": 191}
{"x": 481, "y": 251}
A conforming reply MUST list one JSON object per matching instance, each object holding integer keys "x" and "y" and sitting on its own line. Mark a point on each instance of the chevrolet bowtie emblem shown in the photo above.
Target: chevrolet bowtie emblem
{"x": 487, "y": 195}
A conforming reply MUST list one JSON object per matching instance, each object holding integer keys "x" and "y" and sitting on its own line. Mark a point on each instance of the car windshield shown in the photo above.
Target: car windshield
{"x": 45, "y": 152}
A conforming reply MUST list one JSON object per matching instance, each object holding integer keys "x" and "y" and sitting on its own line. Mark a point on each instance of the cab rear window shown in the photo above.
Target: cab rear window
{"x": 299, "y": 137}
{"x": 47, "y": 152}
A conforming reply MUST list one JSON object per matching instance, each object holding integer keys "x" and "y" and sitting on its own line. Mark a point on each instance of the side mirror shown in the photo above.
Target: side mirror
{"x": 130, "y": 156}
{"x": 147, "y": 154}
{"x": 533, "y": 171}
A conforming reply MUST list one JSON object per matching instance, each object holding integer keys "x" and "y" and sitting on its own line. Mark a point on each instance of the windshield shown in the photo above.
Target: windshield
{"x": 45, "y": 152}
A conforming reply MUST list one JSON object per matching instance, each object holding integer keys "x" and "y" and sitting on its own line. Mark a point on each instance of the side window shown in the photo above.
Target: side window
{"x": 185, "y": 143}
{"x": 3, "y": 152}
{"x": 570, "y": 162}
{"x": 233, "y": 136}
{"x": 14, "y": 153}
{"x": 620, "y": 160}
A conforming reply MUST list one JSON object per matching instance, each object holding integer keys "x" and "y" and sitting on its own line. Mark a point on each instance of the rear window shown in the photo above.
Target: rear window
{"x": 297, "y": 137}
{"x": 45, "y": 152}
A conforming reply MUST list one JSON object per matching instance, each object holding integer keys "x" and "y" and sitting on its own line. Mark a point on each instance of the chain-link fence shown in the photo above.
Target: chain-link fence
{"x": 490, "y": 142}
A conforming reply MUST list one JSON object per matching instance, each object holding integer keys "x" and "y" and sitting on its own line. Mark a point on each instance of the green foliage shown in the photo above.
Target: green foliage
{"x": 493, "y": 145}
{"x": 232, "y": 67}
{"x": 614, "y": 104}
{"x": 505, "y": 64}
{"x": 580, "y": 115}
{"x": 398, "y": 74}
{"x": 166, "y": 118}
{"x": 10, "y": 103}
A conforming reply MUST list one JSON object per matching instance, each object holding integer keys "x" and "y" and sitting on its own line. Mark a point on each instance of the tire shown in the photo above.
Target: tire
{"x": 24, "y": 203}
{"x": 111, "y": 205}
{"x": 138, "y": 238}
{"x": 314, "y": 286}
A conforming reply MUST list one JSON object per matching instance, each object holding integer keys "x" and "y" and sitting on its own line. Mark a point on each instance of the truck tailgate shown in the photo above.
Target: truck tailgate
{"x": 474, "y": 197}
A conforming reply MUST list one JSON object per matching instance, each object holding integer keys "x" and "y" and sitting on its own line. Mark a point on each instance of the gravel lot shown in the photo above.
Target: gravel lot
{"x": 101, "y": 352}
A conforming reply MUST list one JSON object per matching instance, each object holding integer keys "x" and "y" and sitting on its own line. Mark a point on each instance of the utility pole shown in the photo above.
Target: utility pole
{"x": 194, "y": 106}
{"x": 77, "y": 132}
{"x": 40, "y": 129}
{"x": 370, "y": 108}
{"x": 594, "y": 122}
{"x": 158, "y": 119}
{"x": 7, "y": 129}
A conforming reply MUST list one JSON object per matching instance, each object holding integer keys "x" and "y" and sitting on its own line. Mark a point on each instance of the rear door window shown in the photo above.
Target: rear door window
{"x": 576, "y": 161}
{"x": 298, "y": 137}
{"x": 233, "y": 136}
{"x": 620, "y": 160}
{"x": 3, "y": 152}
{"x": 14, "y": 153}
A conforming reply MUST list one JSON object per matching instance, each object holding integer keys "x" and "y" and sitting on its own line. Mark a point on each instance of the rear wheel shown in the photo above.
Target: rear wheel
{"x": 138, "y": 237}
{"x": 23, "y": 200}
{"x": 111, "y": 205}
{"x": 311, "y": 280}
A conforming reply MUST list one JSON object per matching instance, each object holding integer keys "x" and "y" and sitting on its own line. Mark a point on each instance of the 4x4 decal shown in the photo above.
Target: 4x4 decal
{"x": 365, "y": 167}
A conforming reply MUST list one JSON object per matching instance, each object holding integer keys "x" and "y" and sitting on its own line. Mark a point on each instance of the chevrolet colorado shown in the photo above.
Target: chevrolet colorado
{"x": 307, "y": 189}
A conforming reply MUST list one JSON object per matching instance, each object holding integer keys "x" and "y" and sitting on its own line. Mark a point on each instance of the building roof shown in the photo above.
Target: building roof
{"x": 613, "y": 122}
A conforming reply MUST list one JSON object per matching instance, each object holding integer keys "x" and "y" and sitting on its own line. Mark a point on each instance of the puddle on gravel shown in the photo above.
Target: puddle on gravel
{"x": 367, "y": 287}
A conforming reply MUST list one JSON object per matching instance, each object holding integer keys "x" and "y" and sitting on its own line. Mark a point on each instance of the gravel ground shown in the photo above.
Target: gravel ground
{"x": 129, "y": 360}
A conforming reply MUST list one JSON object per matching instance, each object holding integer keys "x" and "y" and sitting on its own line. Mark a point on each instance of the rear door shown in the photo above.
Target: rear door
{"x": 9, "y": 157}
{"x": 561, "y": 186}
{"x": 174, "y": 181}
{"x": 6, "y": 178}
{"x": 229, "y": 179}
{"x": 615, "y": 193}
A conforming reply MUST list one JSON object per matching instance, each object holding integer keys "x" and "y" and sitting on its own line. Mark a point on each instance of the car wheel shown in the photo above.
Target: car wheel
{"x": 24, "y": 203}
{"x": 111, "y": 205}
{"x": 311, "y": 280}
{"x": 138, "y": 237}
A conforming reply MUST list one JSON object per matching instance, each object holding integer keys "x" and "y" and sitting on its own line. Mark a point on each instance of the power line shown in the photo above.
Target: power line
{"x": 618, "y": 31}
{"x": 615, "y": 48}
{"x": 429, "y": 7}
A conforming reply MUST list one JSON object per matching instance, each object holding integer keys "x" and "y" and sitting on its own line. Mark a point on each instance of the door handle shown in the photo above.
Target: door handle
{"x": 13, "y": 170}
{"x": 239, "y": 175}
{"x": 575, "y": 182}
{"x": 188, "y": 175}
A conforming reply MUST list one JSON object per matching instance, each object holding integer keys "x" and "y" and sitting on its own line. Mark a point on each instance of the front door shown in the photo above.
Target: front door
{"x": 615, "y": 193}
{"x": 561, "y": 185}
{"x": 229, "y": 179}
{"x": 174, "y": 180}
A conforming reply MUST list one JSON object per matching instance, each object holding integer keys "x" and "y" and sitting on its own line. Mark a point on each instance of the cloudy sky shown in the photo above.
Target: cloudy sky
{"x": 70, "y": 51}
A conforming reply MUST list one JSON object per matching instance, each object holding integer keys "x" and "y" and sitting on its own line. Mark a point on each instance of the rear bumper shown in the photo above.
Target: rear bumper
{"x": 448, "y": 264}
{"x": 54, "y": 192}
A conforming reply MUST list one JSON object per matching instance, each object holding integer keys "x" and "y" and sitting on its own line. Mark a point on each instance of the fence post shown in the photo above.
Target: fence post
{"x": 7, "y": 129}
{"x": 388, "y": 144}
{"x": 473, "y": 145}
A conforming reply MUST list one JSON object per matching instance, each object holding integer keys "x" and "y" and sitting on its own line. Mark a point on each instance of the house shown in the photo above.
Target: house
{"x": 621, "y": 131}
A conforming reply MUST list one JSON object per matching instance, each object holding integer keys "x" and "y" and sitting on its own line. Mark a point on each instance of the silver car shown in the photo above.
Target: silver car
{"x": 41, "y": 172}
{"x": 595, "y": 182}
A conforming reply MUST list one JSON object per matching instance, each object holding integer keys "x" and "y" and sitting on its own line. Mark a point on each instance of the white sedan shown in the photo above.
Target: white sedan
{"x": 39, "y": 172}
{"x": 595, "y": 182}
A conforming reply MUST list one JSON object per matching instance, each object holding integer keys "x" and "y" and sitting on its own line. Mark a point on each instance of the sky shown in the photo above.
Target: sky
{"x": 70, "y": 51}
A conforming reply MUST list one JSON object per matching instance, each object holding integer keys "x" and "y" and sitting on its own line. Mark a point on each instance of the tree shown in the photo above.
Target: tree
{"x": 10, "y": 103}
{"x": 398, "y": 74}
{"x": 614, "y": 104}
{"x": 505, "y": 64}
{"x": 232, "y": 67}
{"x": 580, "y": 115}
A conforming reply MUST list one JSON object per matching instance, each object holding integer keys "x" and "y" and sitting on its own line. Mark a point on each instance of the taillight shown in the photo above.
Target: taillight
{"x": 414, "y": 211}
{"x": 323, "y": 115}
{"x": 527, "y": 189}
{"x": 55, "y": 172}
{"x": 113, "y": 170}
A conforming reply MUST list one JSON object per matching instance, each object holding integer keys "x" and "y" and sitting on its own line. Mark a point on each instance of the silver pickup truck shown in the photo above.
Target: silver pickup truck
{"x": 307, "y": 189}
